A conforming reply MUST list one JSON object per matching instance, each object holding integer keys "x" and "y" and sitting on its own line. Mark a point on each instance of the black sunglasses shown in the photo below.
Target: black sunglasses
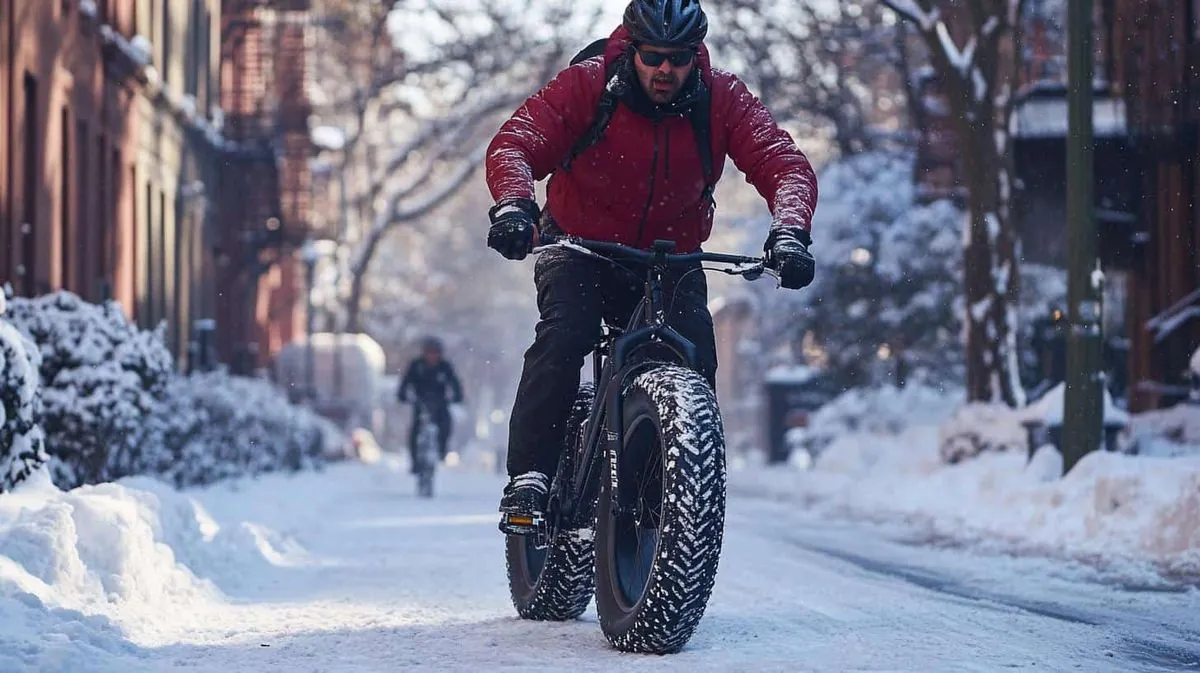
{"x": 678, "y": 59}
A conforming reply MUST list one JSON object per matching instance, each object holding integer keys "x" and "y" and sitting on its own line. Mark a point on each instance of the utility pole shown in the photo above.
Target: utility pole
{"x": 1083, "y": 408}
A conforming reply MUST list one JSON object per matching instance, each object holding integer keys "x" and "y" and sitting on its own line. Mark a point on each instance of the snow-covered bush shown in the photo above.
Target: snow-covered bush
{"x": 219, "y": 426}
{"x": 22, "y": 447}
{"x": 881, "y": 410}
{"x": 887, "y": 281}
{"x": 888, "y": 295}
{"x": 102, "y": 378}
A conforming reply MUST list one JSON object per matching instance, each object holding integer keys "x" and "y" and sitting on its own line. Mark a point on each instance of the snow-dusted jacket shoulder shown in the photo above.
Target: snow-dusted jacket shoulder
{"x": 535, "y": 140}
{"x": 765, "y": 153}
{"x": 644, "y": 179}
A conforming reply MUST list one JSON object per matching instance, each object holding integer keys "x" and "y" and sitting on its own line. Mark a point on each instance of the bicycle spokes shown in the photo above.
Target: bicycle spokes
{"x": 639, "y": 516}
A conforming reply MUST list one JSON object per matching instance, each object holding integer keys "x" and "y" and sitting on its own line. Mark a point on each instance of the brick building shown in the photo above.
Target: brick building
{"x": 121, "y": 175}
{"x": 66, "y": 148}
{"x": 1159, "y": 77}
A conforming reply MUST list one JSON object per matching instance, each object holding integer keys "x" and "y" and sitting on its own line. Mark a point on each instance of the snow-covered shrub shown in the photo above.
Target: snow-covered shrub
{"x": 881, "y": 410}
{"x": 887, "y": 281}
{"x": 102, "y": 378}
{"x": 219, "y": 426}
{"x": 888, "y": 295}
{"x": 22, "y": 447}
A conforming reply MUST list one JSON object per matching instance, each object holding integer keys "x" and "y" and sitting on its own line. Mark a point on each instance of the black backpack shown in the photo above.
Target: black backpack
{"x": 699, "y": 118}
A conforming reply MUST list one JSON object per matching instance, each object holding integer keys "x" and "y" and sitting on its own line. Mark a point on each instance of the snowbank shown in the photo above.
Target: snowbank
{"x": 90, "y": 576}
{"x": 1166, "y": 433}
{"x": 1111, "y": 508}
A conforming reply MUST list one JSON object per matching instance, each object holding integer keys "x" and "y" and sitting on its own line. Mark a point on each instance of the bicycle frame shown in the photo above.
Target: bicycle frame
{"x": 613, "y": 363}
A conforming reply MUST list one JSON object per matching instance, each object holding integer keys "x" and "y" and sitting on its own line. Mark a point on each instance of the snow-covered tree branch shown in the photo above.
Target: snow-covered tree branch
{"x": 821, "y": 69}
{"x": 416, "y": 131}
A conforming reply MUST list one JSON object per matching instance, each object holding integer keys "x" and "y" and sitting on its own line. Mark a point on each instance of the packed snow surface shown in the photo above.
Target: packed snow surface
{"x": 345, "y": 570}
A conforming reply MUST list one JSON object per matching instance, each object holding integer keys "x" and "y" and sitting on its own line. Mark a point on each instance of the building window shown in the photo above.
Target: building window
{"x": 155, "y": 44}
{"x": 206, "y": 71}
{"x": 1195, "y": 7}
{"x": 65, "y": 234}
{"x": 166, "y": 42}
{"x": 82, "y": 240}
{"x": 147, "y": 238}
{"x": 27, "y": 264}
{"x": 160, "y": 259}
{"x": 103, "y": 217}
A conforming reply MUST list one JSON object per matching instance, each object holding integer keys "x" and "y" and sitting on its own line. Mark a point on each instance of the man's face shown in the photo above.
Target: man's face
{"x": 661, "y": 78}
{"x": 433, "y": 356}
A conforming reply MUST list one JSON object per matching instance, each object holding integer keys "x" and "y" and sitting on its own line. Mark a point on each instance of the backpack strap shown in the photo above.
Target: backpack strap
{"x": 605, "y": 108}
{"x": 701, "y": 118}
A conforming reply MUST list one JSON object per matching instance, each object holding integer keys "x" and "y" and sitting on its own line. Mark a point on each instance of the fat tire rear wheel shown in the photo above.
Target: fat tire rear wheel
{"x": 556, "y": 583}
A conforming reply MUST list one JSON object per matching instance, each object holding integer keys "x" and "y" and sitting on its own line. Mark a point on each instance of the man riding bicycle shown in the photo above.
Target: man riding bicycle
{"x": 636, "y": 141}
{"x": 430, "y": 383}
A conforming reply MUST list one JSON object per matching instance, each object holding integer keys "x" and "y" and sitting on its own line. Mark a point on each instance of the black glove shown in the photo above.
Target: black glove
{"x": 512, "y": 231}
{"x": 788, "y": 256}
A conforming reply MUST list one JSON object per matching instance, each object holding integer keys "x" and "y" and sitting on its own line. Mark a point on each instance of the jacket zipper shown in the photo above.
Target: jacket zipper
{"x": 667, "y": 153}
{"x": 650, "y": 195}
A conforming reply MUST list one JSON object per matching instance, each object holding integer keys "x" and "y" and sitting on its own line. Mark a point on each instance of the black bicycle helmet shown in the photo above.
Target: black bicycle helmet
{"x": 666, "y": 23}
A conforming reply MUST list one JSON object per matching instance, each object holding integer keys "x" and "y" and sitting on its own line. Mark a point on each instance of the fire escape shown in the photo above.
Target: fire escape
{"x": 265, "y": 179}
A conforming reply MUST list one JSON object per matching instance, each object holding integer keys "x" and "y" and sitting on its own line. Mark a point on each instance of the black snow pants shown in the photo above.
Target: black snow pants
{"x": 574, "y": 294}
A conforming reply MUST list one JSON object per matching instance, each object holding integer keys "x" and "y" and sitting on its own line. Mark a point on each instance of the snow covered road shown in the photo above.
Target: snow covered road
{"x": 347, "y": 571}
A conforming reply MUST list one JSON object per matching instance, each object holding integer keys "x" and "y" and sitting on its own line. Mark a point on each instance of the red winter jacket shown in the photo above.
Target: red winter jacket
{"x": 644, "y": 180}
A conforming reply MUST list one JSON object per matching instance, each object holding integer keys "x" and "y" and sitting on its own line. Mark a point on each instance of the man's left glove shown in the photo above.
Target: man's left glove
{"x": 513, "y": 228}
{"x": 788, "y": 256}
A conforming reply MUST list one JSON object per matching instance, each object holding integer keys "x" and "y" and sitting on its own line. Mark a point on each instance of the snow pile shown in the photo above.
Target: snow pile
{"x": 219, "y": 426}
{"x": 1111, "y": 507}
{"x": 22, "y": 447}
{"x": 70, "y": 560}
{"x": 133, "y": 552}
{"x": 979, "y": 427}
{"x": 102, "y": 378}
{"x": 1166, "y": 433}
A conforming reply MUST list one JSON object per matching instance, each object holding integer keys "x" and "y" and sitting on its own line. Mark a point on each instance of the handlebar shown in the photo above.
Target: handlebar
{"x": 659, "y": 254}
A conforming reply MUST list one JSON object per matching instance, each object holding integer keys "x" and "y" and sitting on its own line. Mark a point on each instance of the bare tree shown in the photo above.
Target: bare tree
{"x": 834, "y": 65}
{"x": 419, "y": 111}
{"x": 973, "y": 48}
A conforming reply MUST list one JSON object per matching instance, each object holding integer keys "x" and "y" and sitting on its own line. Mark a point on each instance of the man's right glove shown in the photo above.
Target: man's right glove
{"x": 788, "y": 256}
{"x": 513, "y": 228}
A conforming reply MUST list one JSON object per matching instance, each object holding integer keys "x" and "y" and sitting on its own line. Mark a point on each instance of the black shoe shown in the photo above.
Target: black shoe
{"x": 523, "y": 504}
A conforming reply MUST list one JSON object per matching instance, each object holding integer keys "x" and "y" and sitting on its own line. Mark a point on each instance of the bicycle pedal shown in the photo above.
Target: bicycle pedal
{"x": 524, "y": 525}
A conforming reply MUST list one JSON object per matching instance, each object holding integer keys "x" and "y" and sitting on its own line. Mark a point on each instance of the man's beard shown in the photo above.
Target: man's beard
{"x": 663, "y": 88}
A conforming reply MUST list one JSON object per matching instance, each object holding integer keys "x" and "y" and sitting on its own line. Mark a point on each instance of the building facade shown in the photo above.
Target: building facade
{"x": 122, "y": 177}
{"x": 1159, "y": 76}
{"x": 66, "y": 146}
